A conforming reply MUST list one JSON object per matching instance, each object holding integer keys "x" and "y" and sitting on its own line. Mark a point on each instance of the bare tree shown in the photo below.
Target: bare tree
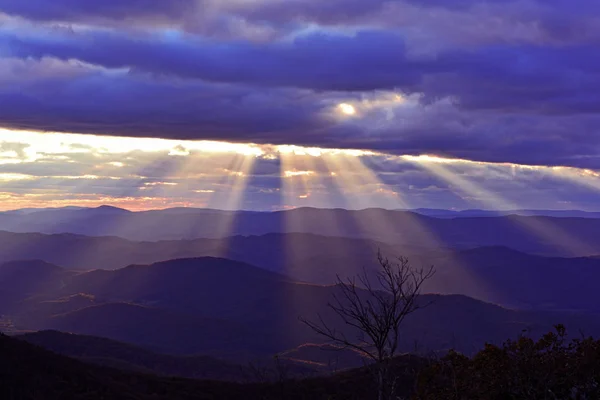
{"x": 377, "y": 311}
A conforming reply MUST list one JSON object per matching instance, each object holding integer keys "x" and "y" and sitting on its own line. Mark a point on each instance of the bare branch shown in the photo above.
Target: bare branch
{"x": 375, "y": 311}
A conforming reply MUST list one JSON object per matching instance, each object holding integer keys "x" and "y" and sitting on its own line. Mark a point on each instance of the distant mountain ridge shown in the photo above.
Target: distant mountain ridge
{"x": 282, "y": 253}
{"x": 496, "y": 274}
{"x": 564, "y": 236}
{"x": 431, "y": 212}
{"x": 441, "y": 213}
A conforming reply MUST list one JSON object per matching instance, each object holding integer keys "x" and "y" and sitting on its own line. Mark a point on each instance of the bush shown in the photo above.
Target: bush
{"x": 550, "y": 368}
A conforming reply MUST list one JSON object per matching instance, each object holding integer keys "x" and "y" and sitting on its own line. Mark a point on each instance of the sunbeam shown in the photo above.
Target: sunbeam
{"x": 538, "y": 226}
{"x": 229, "y": 198}
{"x": 583, "y": 177}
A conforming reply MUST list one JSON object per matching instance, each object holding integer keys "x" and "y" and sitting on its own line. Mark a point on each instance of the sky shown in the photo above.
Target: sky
{"x": 273, "y": 104}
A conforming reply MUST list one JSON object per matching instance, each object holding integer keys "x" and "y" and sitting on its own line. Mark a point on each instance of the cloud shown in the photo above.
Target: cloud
{"x": 525, "y": 77}
{"x": 137, "y": 105}
{"x": 18, "y": 149}
{"x": 369, "y": 60}
{"x": 109, "y": 102}
{"x": 496, "y": 81}
{"x": 86, "y": 10}
{"x": 427, "y": 25}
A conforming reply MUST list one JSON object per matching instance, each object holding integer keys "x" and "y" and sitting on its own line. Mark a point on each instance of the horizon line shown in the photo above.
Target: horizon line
{"x": 417, "y": 209}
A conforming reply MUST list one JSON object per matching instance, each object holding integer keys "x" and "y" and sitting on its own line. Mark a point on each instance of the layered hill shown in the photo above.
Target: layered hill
{"x": 238, "y": 311}
{"x": 20, "y": 280}
{"x": 494, "y": 274}
{"x": 285, "y": 253}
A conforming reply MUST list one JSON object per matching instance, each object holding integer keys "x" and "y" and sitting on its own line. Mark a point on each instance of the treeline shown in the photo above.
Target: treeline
{"x": 552, "y": 367}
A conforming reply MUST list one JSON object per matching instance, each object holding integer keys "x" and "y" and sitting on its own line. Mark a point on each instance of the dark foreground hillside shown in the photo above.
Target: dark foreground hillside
{"x": 110, "y": 353}
{"x": 549, "y": 368}
{"x": 124, "y": 356}
{"x": 28, "y": 372}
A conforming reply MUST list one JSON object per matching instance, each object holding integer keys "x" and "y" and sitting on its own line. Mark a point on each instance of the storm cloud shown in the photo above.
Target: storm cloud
{"x": 488, "y": 81}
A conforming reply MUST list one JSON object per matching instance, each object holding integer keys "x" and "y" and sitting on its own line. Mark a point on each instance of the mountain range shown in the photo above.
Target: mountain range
{"x": 565, "y": 236}
{"x": 493, "y": 274}
{"x": 214, "y": 294}
{"x": 441, "y": 213}
{"x": 238, "y": 312}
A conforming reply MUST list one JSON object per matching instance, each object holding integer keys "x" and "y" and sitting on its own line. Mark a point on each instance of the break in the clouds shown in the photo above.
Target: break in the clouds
{"x": 40, "y": 170}
{"x": 490, "y": 81}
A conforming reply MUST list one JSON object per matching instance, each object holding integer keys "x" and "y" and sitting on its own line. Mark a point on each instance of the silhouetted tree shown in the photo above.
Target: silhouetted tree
{"x": 376, "y": 307}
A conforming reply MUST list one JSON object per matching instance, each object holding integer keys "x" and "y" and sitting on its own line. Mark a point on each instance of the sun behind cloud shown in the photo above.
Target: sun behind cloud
{"x": 347, "y": 109}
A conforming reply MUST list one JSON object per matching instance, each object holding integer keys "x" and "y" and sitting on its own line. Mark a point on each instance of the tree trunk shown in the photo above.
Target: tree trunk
{"x": 380, "y": 383}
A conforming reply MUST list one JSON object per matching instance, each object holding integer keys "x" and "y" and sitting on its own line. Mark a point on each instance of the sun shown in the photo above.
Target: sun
{"x": 347, "y": 109}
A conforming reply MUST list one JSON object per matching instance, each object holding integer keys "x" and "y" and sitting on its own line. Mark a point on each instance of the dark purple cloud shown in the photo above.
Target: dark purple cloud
{"x": 142, "y": 108}
{"x": 273, "y": 11}
{"x": 548, "y": 17}
{"x": 89, "y": 100}
{"x": 82, "y": 10}
{"x": 454, "y": 21}
{"x": 526, "y": 77}
{"x": 137, "y": 105}
{"x": 371, "y": 60}
{"x": 528, "y": 92}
